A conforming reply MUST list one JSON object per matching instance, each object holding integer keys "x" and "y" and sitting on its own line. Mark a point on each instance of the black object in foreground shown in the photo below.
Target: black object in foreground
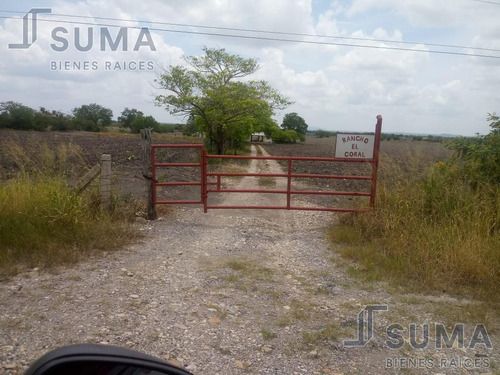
{"x": 88, "y": 359}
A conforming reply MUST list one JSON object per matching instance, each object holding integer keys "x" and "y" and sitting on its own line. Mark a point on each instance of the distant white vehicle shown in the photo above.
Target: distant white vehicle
{"x": 260, "y": 138}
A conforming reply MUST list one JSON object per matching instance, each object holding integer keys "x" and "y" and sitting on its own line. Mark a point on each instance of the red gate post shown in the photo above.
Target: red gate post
{"x": 204, "y": 181}
{"x": 376, "y": 149}
{"x": 289, "y": 185}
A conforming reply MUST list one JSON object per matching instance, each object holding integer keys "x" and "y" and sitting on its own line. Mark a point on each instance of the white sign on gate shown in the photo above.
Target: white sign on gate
{"x": 354, "y": 146}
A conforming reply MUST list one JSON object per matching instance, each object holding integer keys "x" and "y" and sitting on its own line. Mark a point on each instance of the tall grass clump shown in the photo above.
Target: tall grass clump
{"x": 44, "y": 223}
{"x": 435, "y": 227}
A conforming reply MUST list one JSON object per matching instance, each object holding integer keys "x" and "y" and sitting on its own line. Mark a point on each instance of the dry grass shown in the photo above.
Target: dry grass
{"x": 331, "y": 332}
{"x": 44, "y": 223}
{"x": 430, "y": 230}
{"x": 267, "y": 334}
{"x": 248, "y": 269}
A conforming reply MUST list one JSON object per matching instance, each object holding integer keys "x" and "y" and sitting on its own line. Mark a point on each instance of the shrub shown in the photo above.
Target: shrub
{"x": 18, "y": 116}
{"x": 142, "y": 122}
{"x": 479, "y": 157}
{"x": 323, "y": 134}
{"x": 285, "y": 136}
{"x": 95, "y": 113}
{"x": 86, "y": 125}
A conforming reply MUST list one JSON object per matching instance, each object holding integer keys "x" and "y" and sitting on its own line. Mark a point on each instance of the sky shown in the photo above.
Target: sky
{"x": 332, "y": 86}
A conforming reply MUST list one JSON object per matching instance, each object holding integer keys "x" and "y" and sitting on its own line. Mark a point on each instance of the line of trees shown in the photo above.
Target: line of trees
{"x": 88, "y": 117}
{"x": 389, "y": 136}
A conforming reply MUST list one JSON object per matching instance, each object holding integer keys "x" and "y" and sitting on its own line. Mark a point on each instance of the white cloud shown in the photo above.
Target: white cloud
{"x": 332, "y": 86}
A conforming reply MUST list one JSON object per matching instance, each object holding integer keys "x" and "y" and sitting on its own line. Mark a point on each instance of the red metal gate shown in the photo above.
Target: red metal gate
{"x": 207, "y": 186}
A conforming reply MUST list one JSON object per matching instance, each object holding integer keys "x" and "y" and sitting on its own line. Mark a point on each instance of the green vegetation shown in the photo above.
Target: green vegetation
{"x": 135, "y": 120}
{"x": 144, "y": 122}
{"x": 480, "y": 156}
{"x": 212, "y": 93}
{"x": 250, "y": 270}
{"x": 94, "y": 113}
{"x": 18, "y": 116}
{"x": 92, "y": 117}
{"x": 285, "y": 136}
{"x": 292, "y": 121}
{"x": 434, "y": 227}
{"x": 44, "y": 223}
{"x": 128, "y": 116}
{"x": 267, "y": 334}
{"x": 388, "y": 136}
{"x": 324, "y": 134}
{"x": 293, "y": 129}
{"x": 330, "y": 333}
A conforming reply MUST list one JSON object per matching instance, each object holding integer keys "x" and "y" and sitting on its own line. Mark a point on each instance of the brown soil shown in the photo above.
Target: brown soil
{"x": 125, "y": 150}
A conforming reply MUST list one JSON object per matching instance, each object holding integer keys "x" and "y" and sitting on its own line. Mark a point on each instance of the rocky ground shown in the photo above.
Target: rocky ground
{"x": 235, "y": 292}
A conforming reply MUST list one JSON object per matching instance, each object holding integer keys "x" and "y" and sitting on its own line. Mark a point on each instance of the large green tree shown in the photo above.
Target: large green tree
{"x": 128, "y": 116}
{"x": 292, "y": 121}
{"x": 144, "y": 122}
{"x": 210, "y": 88}
{"x": 17, "y": 116}
{"x": 96, "y": 113}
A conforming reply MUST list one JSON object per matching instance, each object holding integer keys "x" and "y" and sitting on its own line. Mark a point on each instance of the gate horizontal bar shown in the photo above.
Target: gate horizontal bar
{"x": 304, "y": 192}
{"x": 228, "y": 174}
{"x": 246, "y": 191}
{"x": 304, "y": 158}
{"x": 177, "y": 165}
{"x": 353, "y": 193}
{"x": 332, "y": 176}
{"x": 296, "y": 208}
{"x": 293, "y": 175}
{"x": 330, "y": 209}
{"x": 177, "y": 183}
{"x": 178, "y": 146}
{"x": 179, "y": 202}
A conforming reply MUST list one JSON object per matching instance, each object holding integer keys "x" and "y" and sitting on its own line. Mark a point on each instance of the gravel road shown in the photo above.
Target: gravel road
{"x": 229, "y": 292}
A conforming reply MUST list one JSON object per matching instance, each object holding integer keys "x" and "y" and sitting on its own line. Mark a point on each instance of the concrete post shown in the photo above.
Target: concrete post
{"x": 106, "y": 182}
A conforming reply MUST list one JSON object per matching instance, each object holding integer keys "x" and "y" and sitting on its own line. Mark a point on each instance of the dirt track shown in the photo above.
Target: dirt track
{"x": 227, "y": 292}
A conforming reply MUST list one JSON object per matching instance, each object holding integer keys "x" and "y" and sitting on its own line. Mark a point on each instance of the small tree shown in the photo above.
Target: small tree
{"x": 17, "y": 116}
{"x": 142, "y": 122}
{"x": 95, "y": 113}
{"x": 128, "y": 116}
{"x": 292, "y": 121}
